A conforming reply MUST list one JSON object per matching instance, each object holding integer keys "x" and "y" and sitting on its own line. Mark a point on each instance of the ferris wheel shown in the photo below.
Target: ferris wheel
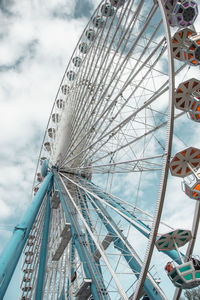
{"x": 94, "y": 228}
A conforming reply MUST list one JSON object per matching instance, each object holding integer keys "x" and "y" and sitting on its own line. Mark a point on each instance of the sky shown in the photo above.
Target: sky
{"x": 37, "y": 39}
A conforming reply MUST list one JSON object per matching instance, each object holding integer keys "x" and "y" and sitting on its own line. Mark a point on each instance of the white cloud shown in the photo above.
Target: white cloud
{"x": 5, "y": 211}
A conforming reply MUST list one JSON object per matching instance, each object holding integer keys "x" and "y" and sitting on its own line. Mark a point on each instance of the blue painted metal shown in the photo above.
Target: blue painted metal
{"x": 45, "y": 166}
{"x": 113, "y": 202}
{"x": 119, "y": 244}
{"x": 13, "y": 250}
{"x": 90, "y": 267}
{"x": 83, "y": 204}
{"x": 82, "y": 198}
{"x": 43, "y": 250}
{"x": 173, "y": 254}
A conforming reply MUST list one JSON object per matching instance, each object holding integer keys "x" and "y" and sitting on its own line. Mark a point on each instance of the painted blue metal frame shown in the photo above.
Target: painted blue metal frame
{"x": 43, "y": 250}
{"x": 173, "y": 254}
{"x": 86, "y": 217}
{"x": 90, "y": 266}
{"x": 13, "y": 250}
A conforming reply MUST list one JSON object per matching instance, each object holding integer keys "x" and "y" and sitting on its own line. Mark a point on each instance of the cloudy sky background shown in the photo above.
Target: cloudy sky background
{"x": 36, "y": 42}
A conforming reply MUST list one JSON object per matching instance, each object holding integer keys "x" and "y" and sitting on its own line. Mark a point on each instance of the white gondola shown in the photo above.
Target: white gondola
{"x": 55, "y": 118}
{"x": 83, "y": 47}
{"x": 47, "y": 146}
{"x": 186, "y": 275}
{"x": 98, "y": 22}
{"x": 60, "y": 104}
{"x": 77, "y": 61}
{"x": 51, "y": 132}
{"x": 107, "y": 10}
{"x": 71, "y": 75}
{"x": 90, "y": 34}
{"x": 65, "y": 89}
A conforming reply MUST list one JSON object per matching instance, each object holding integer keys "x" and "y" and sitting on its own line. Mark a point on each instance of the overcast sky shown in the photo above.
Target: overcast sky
{"x": 37, "y": 39}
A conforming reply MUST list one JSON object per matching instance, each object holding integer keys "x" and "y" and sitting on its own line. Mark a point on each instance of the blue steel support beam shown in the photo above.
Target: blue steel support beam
{"x": 86, "y": 217}
{"x": 120, "y": 207}
{"x": 90, "y": 268}
{"x": 13, "y": 250}
{"x": 149, "y": 288}
{"x": 43, "y": 250}
{"x": 173, "y": 254}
